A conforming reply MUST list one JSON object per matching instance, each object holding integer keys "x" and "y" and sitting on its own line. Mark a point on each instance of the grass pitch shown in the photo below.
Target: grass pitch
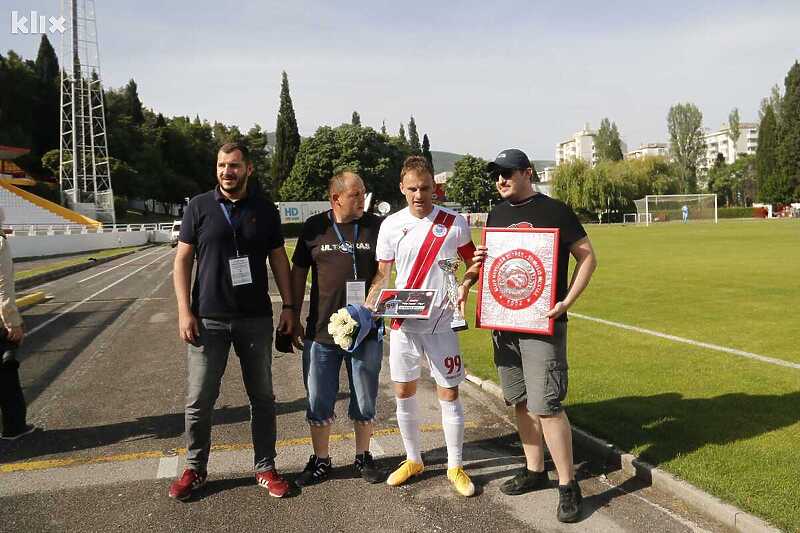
{"x": 728, "y": 424}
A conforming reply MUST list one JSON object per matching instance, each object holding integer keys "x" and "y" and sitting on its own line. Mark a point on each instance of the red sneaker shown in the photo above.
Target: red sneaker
{"x": 190, "y": 480}
{"x": 273, "y": 482}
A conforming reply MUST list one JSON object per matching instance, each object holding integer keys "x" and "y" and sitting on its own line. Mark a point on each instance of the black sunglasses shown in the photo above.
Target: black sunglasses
{"x": 506, "y": 173}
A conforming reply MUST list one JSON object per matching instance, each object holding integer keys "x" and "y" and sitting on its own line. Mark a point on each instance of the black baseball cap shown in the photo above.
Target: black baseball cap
{"x": 511, "y": 159}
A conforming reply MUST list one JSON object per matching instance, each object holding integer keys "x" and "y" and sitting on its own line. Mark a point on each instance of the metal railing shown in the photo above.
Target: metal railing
{"x": 32, "y": 230}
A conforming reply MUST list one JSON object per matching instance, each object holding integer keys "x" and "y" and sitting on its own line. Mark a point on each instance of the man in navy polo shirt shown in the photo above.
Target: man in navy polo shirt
{"x": 232, "y": 230}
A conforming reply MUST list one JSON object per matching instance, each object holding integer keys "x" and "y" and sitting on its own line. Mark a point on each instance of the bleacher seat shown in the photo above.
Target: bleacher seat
{"x": 18, "y": 210}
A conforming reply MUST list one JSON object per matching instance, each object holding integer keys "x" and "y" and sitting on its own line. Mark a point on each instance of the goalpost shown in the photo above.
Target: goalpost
{"x": 676, "y": 207}
{"x": 636, "y": 218}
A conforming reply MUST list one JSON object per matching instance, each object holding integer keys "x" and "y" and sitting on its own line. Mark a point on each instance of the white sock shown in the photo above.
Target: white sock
{"x": 453, "y": 424}
{"x": 408, "y": 422}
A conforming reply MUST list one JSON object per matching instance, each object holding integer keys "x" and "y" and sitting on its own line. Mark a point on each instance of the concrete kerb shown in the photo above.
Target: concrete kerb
{"x": 729, "y": 515}
{"x": 44, "y": 277}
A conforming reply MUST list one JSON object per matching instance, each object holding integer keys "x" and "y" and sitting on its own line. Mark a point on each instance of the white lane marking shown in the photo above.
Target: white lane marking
{"x": 167, "y": 467}
{"x": 105, "y": 338}
{"x": 674, "y": 338}
{"x": 116, "y": 267}
{"x": 75, "y": 306}
{"x": 687, "y": 523}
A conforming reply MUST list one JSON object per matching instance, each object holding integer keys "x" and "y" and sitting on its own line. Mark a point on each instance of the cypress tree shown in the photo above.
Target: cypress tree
{"x": 426, "y": 150}
{"x": 402, "y": 134}
{"x": 45, "y": 112}
{"x": 767, "y": 156}
{"x": 789, "y": 136}
{"x": 383, "y": 128}
{"x": 287, "y": 138}
{"x": 413, "y": 137}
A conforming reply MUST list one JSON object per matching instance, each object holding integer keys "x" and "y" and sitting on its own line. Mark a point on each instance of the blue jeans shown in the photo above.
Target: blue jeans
{"x": 321, "y": 365}
{"x": 252, "y": 341}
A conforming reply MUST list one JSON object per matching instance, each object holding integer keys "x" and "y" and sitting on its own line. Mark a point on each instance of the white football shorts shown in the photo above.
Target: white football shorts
{"x": 441, "y": 350}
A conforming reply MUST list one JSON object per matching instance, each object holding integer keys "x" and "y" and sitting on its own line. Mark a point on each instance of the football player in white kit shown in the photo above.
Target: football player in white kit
{"x": 414, "y": 240}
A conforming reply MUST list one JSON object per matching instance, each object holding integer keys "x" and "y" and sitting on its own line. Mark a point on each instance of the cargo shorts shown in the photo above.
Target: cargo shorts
{"x": 533, "y": 368}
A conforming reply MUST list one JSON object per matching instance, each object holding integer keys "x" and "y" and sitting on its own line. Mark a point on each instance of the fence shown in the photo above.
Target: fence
{"x": 41, "y": 240}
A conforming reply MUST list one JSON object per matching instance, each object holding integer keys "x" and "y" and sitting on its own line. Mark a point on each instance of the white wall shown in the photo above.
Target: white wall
{"x": 44, "y": 245}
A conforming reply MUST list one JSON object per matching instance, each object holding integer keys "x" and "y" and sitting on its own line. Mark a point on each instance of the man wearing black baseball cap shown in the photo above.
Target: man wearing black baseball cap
{"x": 532, "y": 367}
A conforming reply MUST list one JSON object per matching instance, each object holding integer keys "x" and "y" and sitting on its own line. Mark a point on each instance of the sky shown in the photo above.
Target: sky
{"x": 477, "y": 76}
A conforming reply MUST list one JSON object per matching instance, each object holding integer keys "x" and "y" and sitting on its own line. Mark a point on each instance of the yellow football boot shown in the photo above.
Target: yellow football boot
{"x": 460, "y": 481}
{"x": 404, "y": 472}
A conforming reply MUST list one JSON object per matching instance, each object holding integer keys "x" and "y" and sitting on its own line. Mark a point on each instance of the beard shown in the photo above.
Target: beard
{"x": 239, "y": 186}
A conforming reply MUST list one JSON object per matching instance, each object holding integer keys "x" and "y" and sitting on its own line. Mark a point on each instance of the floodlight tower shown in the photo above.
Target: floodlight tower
{"x": 84, "y": 173}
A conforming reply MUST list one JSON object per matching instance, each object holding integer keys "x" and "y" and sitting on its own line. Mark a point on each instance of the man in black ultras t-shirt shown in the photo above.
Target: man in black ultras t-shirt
{"x": 537, "y": 392}
{"x": 339, "y": 247}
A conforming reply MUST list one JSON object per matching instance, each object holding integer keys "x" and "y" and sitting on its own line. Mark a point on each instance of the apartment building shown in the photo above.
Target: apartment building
{"x": 721, "y": 142}
{"x": 649, "y": 150}
{"x": 579, "y": 146}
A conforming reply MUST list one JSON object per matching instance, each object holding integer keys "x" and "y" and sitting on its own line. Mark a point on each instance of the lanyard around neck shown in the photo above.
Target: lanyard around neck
{"x": 345, "y": 246}
{"x": 232, "y": 225}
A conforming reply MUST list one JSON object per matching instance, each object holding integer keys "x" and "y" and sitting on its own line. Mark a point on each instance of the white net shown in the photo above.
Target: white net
{"x": 676, "y": 208}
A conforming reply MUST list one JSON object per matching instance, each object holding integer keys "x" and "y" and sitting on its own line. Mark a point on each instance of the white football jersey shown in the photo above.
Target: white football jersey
{"x": 402, "y": 238}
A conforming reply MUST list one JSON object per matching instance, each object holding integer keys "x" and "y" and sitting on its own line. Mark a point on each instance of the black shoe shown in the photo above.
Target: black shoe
{"x": 365, "y": 464}
{"x": 316, "y": 470}
{"x": 569, "y": 502}
{"x": 525, "y": 481}
{"x": 21, "y": 433}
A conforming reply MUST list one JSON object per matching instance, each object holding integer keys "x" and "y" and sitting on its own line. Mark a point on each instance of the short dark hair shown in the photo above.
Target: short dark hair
{"x": 418, "y": 164}
{"x": 231, "y": 147}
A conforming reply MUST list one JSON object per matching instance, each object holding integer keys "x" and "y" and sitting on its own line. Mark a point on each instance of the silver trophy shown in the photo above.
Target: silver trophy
{"x": 449, "y": 266}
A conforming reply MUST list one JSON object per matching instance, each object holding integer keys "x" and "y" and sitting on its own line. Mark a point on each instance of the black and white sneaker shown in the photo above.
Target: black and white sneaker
{"x": 316, "y": 470}
{"x": 569, "y": 502}
{"x": 365, "y": 465}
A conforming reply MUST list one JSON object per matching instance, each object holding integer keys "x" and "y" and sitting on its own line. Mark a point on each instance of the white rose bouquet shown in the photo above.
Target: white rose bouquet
{"x": 343, "y": 328}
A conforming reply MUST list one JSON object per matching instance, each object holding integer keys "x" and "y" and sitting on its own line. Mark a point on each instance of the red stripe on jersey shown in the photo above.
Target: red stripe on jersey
{"x": 427, "y": 255}
{"x": 424, "y": 251}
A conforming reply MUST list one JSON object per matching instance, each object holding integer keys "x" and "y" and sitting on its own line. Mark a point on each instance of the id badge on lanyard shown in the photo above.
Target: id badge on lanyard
{"x": 240, "y": 270}
{"x": 356, "y": 292}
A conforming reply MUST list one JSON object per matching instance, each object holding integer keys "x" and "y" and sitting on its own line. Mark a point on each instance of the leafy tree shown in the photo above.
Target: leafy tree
{"x": 426, "y": 150}
{"x": 356, "y": 120}
{"x": 612, "y": 186}
{"x": 17, "y": 88}
{"x": 684, "y": 122}
{"x": 608, "y": 145}
{"x": 413, "y": 137}
{"x": 51, "y": 161}
{"x": 356, "y": 148}
{"x": 469, "y": 184}
{"x": 287, "y": 138}
{"x": 133, "y": 103}
{"x": 258, "y": 144}
{"x": 734, "y": 183}
{"x": 789, "y": 138}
